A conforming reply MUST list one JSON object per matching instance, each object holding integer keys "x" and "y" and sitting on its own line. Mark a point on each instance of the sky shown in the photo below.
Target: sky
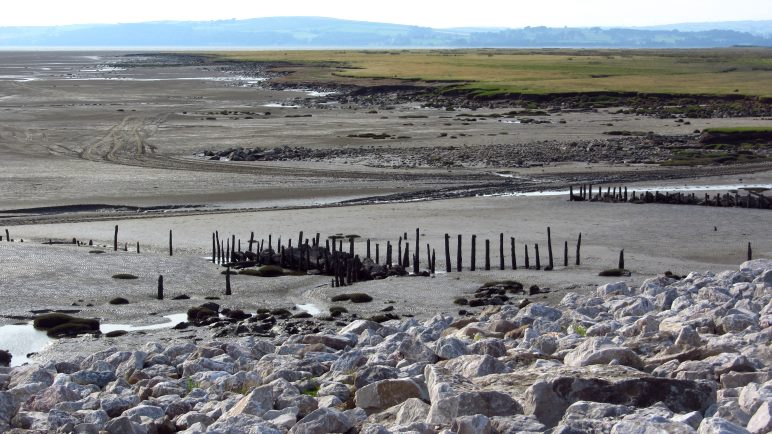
{"x": 430, "y": 13}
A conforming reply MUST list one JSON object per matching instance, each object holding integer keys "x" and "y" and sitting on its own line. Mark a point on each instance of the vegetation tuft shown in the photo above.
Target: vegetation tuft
{"x": 124, "y": 276}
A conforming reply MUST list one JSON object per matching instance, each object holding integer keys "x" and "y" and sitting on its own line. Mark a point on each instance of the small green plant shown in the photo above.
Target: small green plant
{"x": 580, "y": 330}
{"x": 190, "y": 384}
{"x": 313, "y": 392}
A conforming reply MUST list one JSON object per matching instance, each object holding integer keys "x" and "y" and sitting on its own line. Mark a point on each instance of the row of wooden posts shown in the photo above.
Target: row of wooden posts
{"x": 227, "y": 250}
{"x": 613, "y": 194}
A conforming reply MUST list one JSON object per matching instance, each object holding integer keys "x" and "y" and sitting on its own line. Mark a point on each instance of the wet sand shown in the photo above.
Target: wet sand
{"x": 70, "y": 141}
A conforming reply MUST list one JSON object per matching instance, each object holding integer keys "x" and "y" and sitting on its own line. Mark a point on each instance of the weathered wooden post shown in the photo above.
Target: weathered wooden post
{"x": 171, "y": 249}
{"x": 227, "y": 250}
{"x": 125, "y": 247}
{"x": 214, "y": 249}
{"x": 536, "y": 254}
{"x": 621, "y": 259}
{"x": 512, "y": 252}
{"x": 527, "y": 261}
{"x": 487, "y": 254}
{"x": 300, "y": 239}
{"x": 458, "y": 254}
{"x": 571, "y": 193}
{"x": 578, "y": 248}
{"x": 447, "y": 253}
{"x": 137, "y": 246}
{"x": 239, "y": 243}
{"x": 417, "y": 246}
{"x": 351, "y": 246}
{"x": 388, "y": 254}
{"x": 474, "y": 253}
{"x": 434, "y": 258}
{"x": 501, "y": 251}
{"x": 115, "y": 238}
{"x": 251, "y": 240}
{"x": 625, "y": 198}
{"x": 750, "y": 252}
{"x": 317, "y": 239}
{"x": 232, "y": 257}
{"x": 228, "y": 281}
{"x": 429, "y": 255}
{"x": 160, "y": 295}
{"x": 549, "y": 248}
{"x": 399, "y": 253}
{"x": 406, "y": 258}
{"x": 565, "y": 253}
{"x": 368, "y": 248}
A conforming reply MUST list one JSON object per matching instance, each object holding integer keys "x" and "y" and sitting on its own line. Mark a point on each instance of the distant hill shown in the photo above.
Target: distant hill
{"x": 317, "y": 32}
{"x": 758, "y": 28}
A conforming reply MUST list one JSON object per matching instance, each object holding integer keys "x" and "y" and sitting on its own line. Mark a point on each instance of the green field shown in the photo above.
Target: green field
{"x": 737, "y": 71}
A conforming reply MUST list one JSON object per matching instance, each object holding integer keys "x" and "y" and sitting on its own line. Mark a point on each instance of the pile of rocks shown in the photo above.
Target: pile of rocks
{"x": 676, "y": 356}
{"x": 617, "y": 150}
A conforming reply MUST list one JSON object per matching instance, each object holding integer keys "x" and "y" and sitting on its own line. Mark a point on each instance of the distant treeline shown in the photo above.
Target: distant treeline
{"x": 312, "y": 32}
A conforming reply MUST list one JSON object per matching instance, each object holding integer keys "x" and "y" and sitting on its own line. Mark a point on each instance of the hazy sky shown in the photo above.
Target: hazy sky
{"x": 432, "y": 13}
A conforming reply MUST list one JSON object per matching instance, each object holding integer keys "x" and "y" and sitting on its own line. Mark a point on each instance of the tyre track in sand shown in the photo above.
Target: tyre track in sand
{"x": 127, "y": 144}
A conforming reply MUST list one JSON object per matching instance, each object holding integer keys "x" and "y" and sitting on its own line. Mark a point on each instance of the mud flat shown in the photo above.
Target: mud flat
{"x": 94, "y": 140}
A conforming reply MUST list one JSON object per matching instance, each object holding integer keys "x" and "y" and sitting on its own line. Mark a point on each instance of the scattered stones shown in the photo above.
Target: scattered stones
{"x": 617, "y": 360}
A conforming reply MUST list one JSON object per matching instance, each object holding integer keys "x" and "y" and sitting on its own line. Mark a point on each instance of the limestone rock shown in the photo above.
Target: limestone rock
{"x": 387, "y": 393}
{"x": 601, "y": 351}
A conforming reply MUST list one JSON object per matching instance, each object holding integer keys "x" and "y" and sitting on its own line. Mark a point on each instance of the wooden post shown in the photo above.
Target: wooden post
{"x": 115, "y": 238}
{"x": 625, "y": 198}
{"x": 300, "y": 239}
{"x": 428, "y": 256}
{"x": 232, "y": 257}
{"x": 536, "y": 254}
{"x": 474, "y": 252}
{"x": 239, "y": 243}
{"x": 549, "y": 248}
{"x": 501, "y": 251}
{"x": 351, "y": 246}
{"x": 228, "y": 281}
{"x": 447, "y": 253}
{"x": 399, "y": 253}
{"x": 125, "y": 247}
{"x": 217, "y": 239}
{"x": 434, "y": 258}
{"x": 512, "y": 252}
{"x": 317, "y": 239}
{"x": 578, "y": 248}
{"x": 171, "y": 249}
{"x": 527, "y": 261}
{"x": 214, "y": 249}
{"x": 458, "y": 254}
{"x": 565, "y": 253}
{"x": 377, "y": 253}
{"x": 406, "y": 258}
{"x": 417, "y": 247}
{"x": 487, "y": 254}
{"x": 251, "y": 241}
{"x": 621, "y": 259}
{"x": 137, "y": 246}
{"x": 388, "y": 254}
{"x": 368, "y": 248}
{"x": 160, "y": 287}
{"x": 571, "y": 193}
{"x": 750, "y": 252}
{"x": 270, "y": 243}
